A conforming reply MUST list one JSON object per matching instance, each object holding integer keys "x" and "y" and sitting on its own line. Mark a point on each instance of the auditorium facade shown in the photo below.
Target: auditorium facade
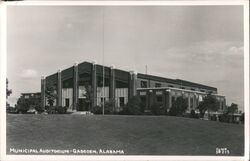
{"x": 83, "y": 86}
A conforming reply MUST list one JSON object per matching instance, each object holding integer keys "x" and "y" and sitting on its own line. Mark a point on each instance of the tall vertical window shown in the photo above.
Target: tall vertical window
{"x": 103, "y": 100}
{"x": 122, "y": 101}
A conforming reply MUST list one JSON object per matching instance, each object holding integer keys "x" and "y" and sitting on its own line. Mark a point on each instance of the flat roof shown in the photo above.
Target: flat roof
{"x": 176, "y": 81}
{"x": 153, "y": 77}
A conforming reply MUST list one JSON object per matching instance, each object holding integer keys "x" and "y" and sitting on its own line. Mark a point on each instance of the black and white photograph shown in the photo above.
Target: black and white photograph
{"x": 159, "y": 80}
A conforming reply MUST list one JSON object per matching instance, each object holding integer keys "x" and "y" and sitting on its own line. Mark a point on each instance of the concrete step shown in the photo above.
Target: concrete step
{"x": 82, "y": 113}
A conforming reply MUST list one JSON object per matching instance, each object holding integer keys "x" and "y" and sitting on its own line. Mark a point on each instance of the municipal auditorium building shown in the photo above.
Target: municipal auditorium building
{"x": 71, "y": 85}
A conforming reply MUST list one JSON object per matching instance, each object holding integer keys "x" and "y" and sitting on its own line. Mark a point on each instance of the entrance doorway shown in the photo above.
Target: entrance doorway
{"x": 67, "y": 102}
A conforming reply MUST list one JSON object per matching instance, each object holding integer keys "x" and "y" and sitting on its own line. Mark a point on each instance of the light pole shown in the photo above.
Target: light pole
{"x": 103, "y": 68}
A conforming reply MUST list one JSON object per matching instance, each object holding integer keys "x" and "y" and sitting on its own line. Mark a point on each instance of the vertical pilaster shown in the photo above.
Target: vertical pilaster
{"x": 132, "y": 84}
{"x": 198, "y": 100}
{"x": 189, "y": 102}
{"x": 43, "y": 96}
{"x": 94, "y": 100}
{"x": 59, "y": 88}
{"x": 150, "y": 98}
{"x": 75, "y": 87}
{"x": 220, "y": 102}
{"x": 169, "y": 97}
{"x": 224, "y": 103}
{"x": 194, "y": 101}
{"x": 170, "y": 100}
{"x": 112, "y": 86}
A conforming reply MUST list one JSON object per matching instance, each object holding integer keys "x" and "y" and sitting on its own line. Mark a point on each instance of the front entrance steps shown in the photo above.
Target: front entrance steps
{"x": 74, "y": 112}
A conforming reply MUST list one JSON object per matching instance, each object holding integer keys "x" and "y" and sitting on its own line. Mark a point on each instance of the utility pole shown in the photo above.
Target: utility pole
{"x": 103, "y": 68}
{"x": 148, "y": 77}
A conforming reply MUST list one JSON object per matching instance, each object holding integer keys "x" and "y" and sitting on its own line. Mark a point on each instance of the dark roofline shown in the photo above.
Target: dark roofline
{"x": 175, "y": 81}
{"x": 156, "y": 78}
{"x": 87, "y": 63}
{"x": 196, "y": 84}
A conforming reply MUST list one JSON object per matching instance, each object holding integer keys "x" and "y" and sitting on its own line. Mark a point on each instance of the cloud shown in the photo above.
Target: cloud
{"x": 236, "y": 50}
{"x": 69, "y": 25}
{"x": 208, "y": 51}
{"x": 29, "y": 74}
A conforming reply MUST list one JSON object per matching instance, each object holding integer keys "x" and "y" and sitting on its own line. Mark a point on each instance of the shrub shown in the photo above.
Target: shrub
{"x": 158, "y": 109}
{"x": 242, "y": 118}
{"x": 97, "y": 110}
{"x": 56, "y": 109}
{"x": 39, "y": 108}
{"x": 108, "y": 108}
{"x": 51, "y": 109}
{"x": 193, "y": 114}
{"x": 10, "y": 109}
{"x": 173, "y": 111}
{"x": 61, "y": 110}
{"x": 213, "y": 118}
{"x": 224, "y": 118}
{"x": 133, "y": 107}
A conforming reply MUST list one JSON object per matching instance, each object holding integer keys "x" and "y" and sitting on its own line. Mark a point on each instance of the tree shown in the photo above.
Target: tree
{"x": 210, "y": 103}
{"x": 133, "y": 107}
{"x": 232, "y": 109}
{"x": 50, "y": 94}
{"x": 179, "y": 106}
{"x": 23, "y": 105}
{"x": 36, "y": 103}
{"x": 8, "y": 91}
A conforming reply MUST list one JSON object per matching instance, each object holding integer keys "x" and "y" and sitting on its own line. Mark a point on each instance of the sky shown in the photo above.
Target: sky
{"x": 203, "y": 44}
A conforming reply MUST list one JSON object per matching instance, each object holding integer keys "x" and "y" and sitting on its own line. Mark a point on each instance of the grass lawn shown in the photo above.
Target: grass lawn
{"x": 135, "y": 135}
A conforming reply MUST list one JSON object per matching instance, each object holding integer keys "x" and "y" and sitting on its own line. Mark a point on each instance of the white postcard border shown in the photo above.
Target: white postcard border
{"x": 3, "y": 60}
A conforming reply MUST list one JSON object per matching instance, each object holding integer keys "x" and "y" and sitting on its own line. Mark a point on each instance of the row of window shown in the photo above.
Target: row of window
{"x": 144, "y": 84}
